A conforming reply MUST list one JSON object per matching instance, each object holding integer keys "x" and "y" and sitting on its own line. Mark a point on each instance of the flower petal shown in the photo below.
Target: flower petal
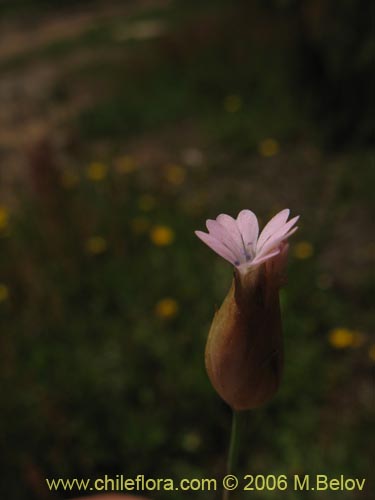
{"x": 235, "y": 239}
{"x": 236, "y": 242}
{"x": 247, "y": 223}
{"x": 218, "y": 231}
{"x": 272, "y": 226}
{"x": 281, "y": 235}
{"x": 218, "y": 247}
{"x": 263, "y": 258}
{"x": 221, "y": 233}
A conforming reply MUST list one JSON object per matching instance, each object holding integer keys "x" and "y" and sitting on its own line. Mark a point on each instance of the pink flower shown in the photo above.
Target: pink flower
{"x": 244, "y": 350}
{"x": 237, "y": 240}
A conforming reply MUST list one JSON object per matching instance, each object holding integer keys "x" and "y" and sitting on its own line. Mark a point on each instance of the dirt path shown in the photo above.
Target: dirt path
{"x": 27, "y": 110}
{"x": 21, "y": 37}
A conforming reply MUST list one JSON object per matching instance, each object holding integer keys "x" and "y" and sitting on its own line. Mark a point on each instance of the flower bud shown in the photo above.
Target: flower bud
{"x": 244, "y": 351}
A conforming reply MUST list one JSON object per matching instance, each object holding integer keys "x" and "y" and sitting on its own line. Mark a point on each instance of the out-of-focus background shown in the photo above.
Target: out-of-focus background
{"x": 123, "y": 127}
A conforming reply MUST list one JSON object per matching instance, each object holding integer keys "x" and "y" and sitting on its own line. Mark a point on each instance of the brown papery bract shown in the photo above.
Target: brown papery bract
{"x": 244, "y": 351}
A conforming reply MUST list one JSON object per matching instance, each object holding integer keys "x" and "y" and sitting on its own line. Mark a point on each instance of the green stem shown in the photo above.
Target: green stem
{"x": 234, "y": 443}
{"x": 233, "y": 447}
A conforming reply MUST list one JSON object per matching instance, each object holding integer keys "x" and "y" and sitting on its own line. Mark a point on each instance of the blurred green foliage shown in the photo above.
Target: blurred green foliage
{"x": 98, "y": 378}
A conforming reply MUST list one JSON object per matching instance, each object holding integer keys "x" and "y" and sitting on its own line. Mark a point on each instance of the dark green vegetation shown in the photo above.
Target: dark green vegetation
{"x": 94, "y": 381}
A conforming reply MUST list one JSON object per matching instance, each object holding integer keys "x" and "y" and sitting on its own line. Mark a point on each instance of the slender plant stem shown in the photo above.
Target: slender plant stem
{"x": 234, "y": 443}
{"x": 233, "y": 447}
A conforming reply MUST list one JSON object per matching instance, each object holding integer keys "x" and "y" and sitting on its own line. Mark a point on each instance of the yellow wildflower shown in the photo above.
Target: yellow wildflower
{"x": 175, "y": 174}
{"x": 140, "y": 224}
{"x": 125, "y": 164}
{"x": 340, "y": 338}
{"x": 97, "y": 171}
{"x": 69, "y": 179}
{"x": 268, "y": 147}
{"x": 166, "y": 308}
{"x": 96, "y": 245}
{"x": 4, "y": 292}
{"x": 232, "y": 103}
{"x": 371, "y": 352}
{"x": 146, "y": 202}
{"x": 303, "y": 250}
{"x": 191, "y": 441}
{"x": 4, "y": 218}
{"x": 161, "y": 235}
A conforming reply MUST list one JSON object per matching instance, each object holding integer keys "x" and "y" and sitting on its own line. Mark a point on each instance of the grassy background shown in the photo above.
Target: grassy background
{"x": 124, "y": 135}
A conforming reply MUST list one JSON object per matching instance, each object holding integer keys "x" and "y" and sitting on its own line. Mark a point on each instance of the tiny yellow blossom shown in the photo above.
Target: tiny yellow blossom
{"x": 146, "y": 202}
{"x": 232, "y": 103}
{"x": 191, "y": 441}
{"x": 340, "y": 338}
{"x": 96, "y": 245}
{"x": 175, "y": 174}
{"x": 161, "y": 235}
{"x": 125, "y": 164}
{"x": 4, "y": 292}
{"x": 4, "y": 218}
{"x": 69, "y": 179}
{"x": 268, "y": 147}
{"x": 140, "y": 224}
{"x": 371, "y": 352}
{"x": 97, "y": 171}
{"x": 303, "y": 250}
{"x": 166, "y": 308}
